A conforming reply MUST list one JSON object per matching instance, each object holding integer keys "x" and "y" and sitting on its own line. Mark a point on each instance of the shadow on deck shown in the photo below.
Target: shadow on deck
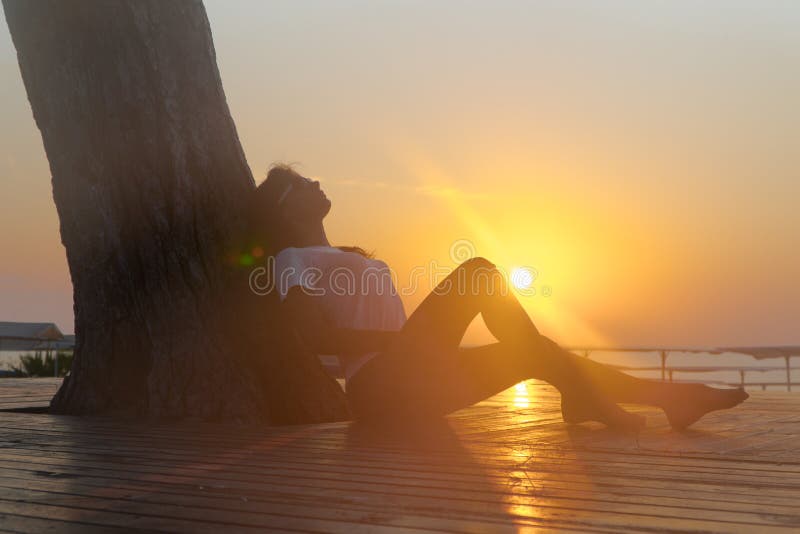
{"x": 506, "y": 464}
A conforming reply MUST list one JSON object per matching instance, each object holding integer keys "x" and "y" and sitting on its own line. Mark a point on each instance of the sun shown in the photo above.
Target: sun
{"x": 521, "y": 277}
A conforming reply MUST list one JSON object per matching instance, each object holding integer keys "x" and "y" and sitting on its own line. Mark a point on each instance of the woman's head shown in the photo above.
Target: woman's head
{"x": 285, "y": 206}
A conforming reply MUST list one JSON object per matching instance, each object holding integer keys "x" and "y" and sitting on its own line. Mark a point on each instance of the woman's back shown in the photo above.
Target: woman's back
{"x": 354, "y": 292}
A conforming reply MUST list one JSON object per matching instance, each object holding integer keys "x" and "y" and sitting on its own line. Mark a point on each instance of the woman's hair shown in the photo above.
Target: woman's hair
{"x": 267, "y": 226}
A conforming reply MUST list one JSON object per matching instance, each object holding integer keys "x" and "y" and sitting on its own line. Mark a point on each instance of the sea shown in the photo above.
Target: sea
{"x": 766, "y": 374}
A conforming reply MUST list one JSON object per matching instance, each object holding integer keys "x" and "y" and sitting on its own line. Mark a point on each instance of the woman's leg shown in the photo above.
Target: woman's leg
{"x": 476, "y": 286}
{"x": 426, "y": 372}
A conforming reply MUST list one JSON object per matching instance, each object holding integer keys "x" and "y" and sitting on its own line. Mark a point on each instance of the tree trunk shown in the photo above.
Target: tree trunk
{"x": 151, "y": 187}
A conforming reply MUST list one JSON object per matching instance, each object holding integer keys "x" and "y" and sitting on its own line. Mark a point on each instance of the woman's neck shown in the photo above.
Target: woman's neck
{"x": 312, "y": 236}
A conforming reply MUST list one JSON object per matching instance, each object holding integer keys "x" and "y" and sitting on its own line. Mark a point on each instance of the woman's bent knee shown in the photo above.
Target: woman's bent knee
{"x": 478, "y": 262}
{"x": 480, "y": 277}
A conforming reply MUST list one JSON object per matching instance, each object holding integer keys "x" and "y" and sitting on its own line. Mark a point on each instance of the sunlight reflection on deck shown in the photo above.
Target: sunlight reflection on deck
{"x": 522, "y": 395}
{"x": 534, "y": 484}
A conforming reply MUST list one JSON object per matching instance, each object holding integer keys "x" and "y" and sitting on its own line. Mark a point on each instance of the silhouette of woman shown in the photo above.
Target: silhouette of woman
{"x": 341, "y": 303}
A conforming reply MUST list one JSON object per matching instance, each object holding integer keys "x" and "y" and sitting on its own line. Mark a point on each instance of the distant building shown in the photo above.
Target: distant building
{"x": 33, "y": 336}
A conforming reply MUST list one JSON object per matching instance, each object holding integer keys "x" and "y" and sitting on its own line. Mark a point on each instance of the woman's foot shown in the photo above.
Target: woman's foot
{"x": 693, "y": 401}
{"x": 579, "y": 410}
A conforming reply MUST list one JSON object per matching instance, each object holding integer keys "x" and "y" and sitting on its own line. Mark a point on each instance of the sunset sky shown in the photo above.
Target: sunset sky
{"x": 644, "y": 158}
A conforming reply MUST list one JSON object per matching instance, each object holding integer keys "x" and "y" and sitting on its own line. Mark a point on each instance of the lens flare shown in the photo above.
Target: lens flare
{"x": 521, "y": 278}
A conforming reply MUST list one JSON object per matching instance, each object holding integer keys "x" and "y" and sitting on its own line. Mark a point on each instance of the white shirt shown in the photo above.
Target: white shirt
{"x": 356, "y": 292}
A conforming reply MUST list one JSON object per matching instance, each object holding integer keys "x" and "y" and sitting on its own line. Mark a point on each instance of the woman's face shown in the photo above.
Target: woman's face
{"x": 304, "y": 202}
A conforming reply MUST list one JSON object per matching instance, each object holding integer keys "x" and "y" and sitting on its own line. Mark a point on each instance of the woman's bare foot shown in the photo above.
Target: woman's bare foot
{"x": 580, "y": 410}
{"x": 693, "y": 401}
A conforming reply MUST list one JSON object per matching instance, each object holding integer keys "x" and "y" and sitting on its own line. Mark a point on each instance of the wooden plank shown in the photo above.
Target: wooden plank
{"x": 315, "y": 463}
{"x": 18, "y": 393}
{"x": 16, "y": 523}
{"x": 547, "y": 491}
{"x": 319, "y": 462}
{"x": 579, "y": 486}
{"x": 262, "y": 513}
{"x": 228, "y": 478}
{"x": 167, "y": 455}
{"x": 136, "y": 517}
{"x": 177, "y": 444}
{"x": 506, "y": 463}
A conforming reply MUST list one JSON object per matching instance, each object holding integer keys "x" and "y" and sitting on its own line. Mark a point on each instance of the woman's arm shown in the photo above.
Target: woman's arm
{"x": 321, "y": 336}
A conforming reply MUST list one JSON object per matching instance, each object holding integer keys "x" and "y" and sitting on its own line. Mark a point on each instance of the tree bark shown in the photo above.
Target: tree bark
{"x": 151, "y": 187}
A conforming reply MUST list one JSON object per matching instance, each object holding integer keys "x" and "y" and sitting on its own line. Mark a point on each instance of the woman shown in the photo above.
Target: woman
{"x": 414, "y": 368}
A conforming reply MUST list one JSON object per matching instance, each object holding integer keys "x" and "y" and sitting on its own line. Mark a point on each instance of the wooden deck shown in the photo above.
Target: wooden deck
{"x": 506, "y": 464}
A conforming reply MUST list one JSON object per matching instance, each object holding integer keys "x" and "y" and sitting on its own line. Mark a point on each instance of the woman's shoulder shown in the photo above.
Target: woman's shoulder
{"x": 376, "y": 263}
{"x": 316, "y": 256}
{"x": 304, "y": 251}
{"x": 354, "y": 257}
{"x": 326, "y": 255}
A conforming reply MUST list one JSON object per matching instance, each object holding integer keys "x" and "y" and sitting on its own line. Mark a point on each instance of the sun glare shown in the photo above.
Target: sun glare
{"x": 521, "y": 278}
{"x": 521, "y": 399}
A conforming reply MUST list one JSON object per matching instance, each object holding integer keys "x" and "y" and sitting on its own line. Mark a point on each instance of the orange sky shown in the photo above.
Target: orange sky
{"x": 644, "y": 159}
